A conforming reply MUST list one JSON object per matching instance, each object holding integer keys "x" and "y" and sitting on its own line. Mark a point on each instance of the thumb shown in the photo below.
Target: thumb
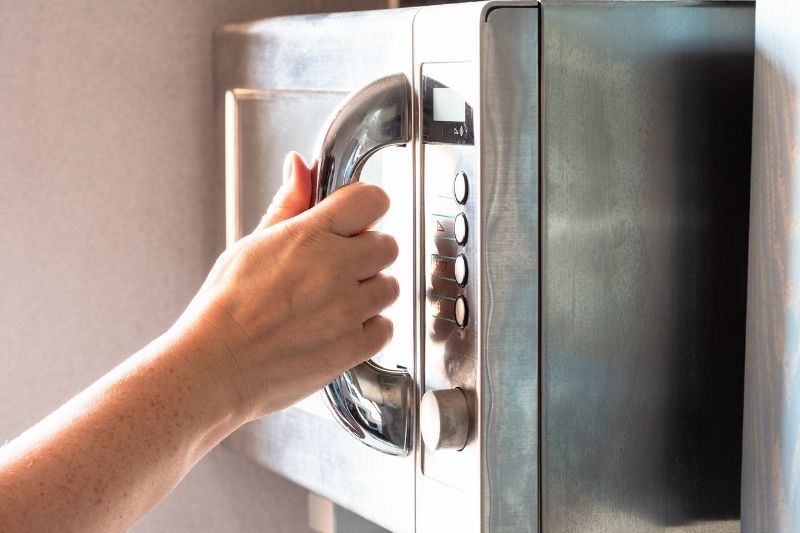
{"x": 294, "y": 196}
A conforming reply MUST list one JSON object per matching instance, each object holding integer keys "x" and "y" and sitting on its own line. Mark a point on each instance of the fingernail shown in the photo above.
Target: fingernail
{"x": 288, "y": 168}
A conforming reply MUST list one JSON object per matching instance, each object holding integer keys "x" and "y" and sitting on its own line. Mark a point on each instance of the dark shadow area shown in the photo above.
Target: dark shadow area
{"x": 713, "y": 148}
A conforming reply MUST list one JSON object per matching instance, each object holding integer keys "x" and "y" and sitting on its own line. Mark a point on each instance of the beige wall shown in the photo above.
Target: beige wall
{"x": 110, "y": 214}
{"x": 770, "y": 466}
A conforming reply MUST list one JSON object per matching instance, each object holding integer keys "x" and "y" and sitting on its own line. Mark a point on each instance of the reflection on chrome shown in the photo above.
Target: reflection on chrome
{"x": 371, "y": 402}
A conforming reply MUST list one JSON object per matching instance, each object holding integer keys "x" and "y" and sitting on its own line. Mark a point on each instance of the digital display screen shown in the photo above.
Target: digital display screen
{"x": 448, "y": 105}
{"x": 446, "y": 111}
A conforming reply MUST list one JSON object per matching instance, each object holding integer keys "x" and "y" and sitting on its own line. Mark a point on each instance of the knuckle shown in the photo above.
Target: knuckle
{"x": 366, "y": 346}
{"x": 388, "y": 330}
{"x": 393, "y": 288}
{"x": 380, "y": 334}
{"x": 380, "y": 296}
{"x": 372, "y": 337}
{"x": 241, "y": 256}
{"x": 350, "y": 312}
{"x": 324, "y": 219}
{"x": 348, "y": 309}
{"x": 304, "y": 235}
{"x": 391, "y": 247}
{"x": 382, "y": 247}
{"x": 338, "y": 326}
{"x": 383, "y": 291}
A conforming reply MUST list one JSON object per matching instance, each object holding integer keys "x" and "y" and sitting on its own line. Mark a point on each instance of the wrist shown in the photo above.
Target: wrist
{"x": 187, "y": 363}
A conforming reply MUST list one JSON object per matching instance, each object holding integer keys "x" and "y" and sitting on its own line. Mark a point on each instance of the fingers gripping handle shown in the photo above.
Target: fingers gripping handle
{"x": 371, "y": 402}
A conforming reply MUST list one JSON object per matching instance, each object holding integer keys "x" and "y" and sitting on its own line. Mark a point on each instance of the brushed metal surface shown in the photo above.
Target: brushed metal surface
{"x": 446, "y": 47}
{"x": 646, "y": 163}
{"x": 490, "y": 485}
{"x": 509, "y": 264}
{"x": 275, "y": 83}
{"x": 451, "y": 353}
{"x": 770, "y": 473}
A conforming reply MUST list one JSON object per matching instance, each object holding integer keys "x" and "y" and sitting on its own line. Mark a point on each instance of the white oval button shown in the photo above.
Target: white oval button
{"x": 460, "y": 187}
{"x": 460, "y": 270}
{"x": 460, "y": 229}
{"x": 461, "y": 312}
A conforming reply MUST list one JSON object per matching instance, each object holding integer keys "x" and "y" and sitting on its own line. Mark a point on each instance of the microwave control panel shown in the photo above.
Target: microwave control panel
{"x": 452, "y": 288}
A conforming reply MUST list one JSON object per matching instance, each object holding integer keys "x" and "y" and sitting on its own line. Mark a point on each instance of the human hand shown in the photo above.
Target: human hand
{"x": 282, "y": 312}
{"x": 297, "y": 302}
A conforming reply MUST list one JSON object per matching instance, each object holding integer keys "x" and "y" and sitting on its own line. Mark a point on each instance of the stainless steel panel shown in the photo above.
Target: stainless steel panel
{"x": 448, "y": 481}
{"x": 492, "y": 484}
{"x": 770, "y": 477}
{"x": 509, "y": 162}
{"x": 274, "y": 81}
{"x": 646, "y": 163}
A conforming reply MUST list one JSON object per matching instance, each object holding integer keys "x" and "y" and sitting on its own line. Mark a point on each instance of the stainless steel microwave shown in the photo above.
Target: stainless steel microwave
{"x": 570, "y": 191}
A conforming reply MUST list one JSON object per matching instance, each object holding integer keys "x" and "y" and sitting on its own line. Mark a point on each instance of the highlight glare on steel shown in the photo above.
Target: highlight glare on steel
{"x": 373, "y": 403}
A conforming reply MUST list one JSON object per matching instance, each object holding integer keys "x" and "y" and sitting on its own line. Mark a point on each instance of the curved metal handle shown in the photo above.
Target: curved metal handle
{"x": 371, "y": 402}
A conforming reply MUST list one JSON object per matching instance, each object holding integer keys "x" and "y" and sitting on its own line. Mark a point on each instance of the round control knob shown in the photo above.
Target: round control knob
{"x": 444, "y": 419}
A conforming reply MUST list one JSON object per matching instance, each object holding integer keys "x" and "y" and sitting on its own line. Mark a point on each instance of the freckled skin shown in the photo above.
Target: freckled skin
{"x": 242, "y": 349}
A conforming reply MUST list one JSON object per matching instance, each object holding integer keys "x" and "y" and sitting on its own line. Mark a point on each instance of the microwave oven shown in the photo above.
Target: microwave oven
{"x": 570, "y": 194}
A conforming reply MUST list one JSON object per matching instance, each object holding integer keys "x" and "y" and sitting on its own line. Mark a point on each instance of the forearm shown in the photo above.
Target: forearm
{"x": 282, "y": 312}
{"x": 114, "y": 451}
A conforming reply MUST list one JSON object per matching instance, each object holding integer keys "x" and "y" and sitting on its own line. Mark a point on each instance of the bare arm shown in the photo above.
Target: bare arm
{"x": 281, "y": 313}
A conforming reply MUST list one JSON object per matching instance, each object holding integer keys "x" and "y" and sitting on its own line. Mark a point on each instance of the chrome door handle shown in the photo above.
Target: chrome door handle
{"x": 371, "y": 402}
